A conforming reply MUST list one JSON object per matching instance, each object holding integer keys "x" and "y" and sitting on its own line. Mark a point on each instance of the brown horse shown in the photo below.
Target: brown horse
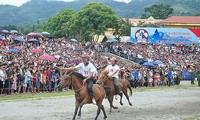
{"x": 123, "y": 85}
{"x": 82, "y": 97}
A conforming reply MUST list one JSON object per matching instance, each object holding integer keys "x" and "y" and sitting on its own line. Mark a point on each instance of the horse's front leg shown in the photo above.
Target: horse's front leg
{"x": 121, "y": 95}
{"x": 111, "y": 103}
{"x": 127, "y": 97}
{"x": 81, "y": 105}
{"x": 76, "y": 109}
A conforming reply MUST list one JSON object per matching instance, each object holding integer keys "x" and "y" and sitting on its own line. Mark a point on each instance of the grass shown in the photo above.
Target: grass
{"x": 192, "y": 118}
{"x": 69, "y": 93}
{"x": 35, "y": 96}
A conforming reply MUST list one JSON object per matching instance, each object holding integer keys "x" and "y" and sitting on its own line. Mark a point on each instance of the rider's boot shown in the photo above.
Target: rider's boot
{"x": 117, "y": 90}
{"x": 92, "y": 97}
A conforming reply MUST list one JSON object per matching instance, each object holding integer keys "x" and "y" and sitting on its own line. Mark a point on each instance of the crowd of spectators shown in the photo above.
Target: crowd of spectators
{"x": 22, "y": 70}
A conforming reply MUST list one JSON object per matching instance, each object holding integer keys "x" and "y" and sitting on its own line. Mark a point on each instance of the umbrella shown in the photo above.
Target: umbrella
{"x": 32, "y": 40}
{"x": 113, "y": 40}
{"x": 178, "y": 51}
{"x": 73, "y": 40}
{"x": 14, "y": 31}
{"x": 2, "y": 37}
{"x": 18, "y": 48}
{"x": 45, "y": 33}
{"x": 36, "y": 50}
{"x": 18, "y": 38}
{"x": 129, "y": 41}
{"x": 35, "y": 34}
{"x": 149, "y": 64}
{"x": 158, "y": 62}
{"x": 47, "y": 57}
{"x": 173, "y": 65}
{"x": 5, "y": 31}
{"x": 13, "y": 51}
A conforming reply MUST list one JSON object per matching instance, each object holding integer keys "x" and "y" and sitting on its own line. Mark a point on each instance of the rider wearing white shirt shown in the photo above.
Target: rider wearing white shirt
{"x": 113, "y": 71}
{"x": 88, "y": 70}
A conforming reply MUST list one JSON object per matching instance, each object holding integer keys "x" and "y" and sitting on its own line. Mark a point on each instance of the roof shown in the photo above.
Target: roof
{"x": 144, "y": 21}
{"x": 183, "y": 19}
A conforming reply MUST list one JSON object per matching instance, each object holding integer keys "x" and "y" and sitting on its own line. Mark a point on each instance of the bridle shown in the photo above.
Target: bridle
{"x": 104, "y": 80}
{"x": 72, "y": 83}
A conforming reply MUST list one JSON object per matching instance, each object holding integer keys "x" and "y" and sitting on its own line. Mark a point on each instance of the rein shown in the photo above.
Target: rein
{"x": 104, "y": 80}
{"x": 72, "y": 84}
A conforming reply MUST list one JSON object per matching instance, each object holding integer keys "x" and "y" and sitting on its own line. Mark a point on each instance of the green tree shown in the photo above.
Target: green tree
{"x": 122, "y": 28}
{"x": 93, "y": 20}
{"x": 198, "y": 14}
{"x": 158, "y": 11}
{"x": 58, "y": 24}
{"x": 126, "y": 27}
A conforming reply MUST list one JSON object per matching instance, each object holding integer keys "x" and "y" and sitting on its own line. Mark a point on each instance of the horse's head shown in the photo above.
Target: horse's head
{"x": 103, "y": 77}
{"x": 66, "y": 79}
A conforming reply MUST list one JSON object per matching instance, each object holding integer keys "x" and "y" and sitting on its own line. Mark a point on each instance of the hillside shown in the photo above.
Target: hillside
{"x": 40, "y": 10}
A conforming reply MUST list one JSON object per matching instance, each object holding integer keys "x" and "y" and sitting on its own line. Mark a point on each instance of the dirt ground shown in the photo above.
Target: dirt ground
{"x": 181, "y": 104}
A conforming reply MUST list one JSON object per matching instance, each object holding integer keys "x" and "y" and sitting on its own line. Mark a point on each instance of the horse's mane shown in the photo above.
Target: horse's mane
{"x": 76, "y": 74}
{"x": 104, "y": 73}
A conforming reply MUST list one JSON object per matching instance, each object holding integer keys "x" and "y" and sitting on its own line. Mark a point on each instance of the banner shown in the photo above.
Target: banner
{"x": 163, "y": 35}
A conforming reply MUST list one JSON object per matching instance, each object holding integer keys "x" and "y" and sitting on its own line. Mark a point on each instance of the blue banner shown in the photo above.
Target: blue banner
{"x": 163, "y": 35}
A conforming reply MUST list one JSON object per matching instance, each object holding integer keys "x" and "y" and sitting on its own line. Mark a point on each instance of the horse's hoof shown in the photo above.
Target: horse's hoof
{"x": 78, "y": 117}
{"x": 130, "y": 104}
{"x": 121, "y": 104}
{"x": 115, "y": 107}
{"x": 105, "y": 117}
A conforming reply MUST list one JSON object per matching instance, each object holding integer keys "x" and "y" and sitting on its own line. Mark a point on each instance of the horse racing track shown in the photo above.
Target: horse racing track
{"x": 180, "y": 104}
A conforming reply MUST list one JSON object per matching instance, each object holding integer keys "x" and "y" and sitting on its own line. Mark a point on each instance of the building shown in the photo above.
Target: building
{"x": 144, "y": 22}
{"x": 182, "y": 22}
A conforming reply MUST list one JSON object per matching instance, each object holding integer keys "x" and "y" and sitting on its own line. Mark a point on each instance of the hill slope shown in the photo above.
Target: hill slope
{"x": 41, "y": 10}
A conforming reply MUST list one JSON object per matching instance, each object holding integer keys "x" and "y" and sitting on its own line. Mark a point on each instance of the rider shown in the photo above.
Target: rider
{"x": 88, "y": 70}
{"x": 113, "y": 71}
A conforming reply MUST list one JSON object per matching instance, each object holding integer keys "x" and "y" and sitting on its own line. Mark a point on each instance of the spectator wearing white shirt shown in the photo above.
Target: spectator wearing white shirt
{"x": 2, "y": 78}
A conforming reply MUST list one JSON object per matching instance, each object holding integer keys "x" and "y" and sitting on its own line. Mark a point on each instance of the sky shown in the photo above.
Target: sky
{"x": 20, "y": 2}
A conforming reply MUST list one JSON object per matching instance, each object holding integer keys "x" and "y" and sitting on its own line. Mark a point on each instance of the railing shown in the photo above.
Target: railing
{"x": 127, "y": 56}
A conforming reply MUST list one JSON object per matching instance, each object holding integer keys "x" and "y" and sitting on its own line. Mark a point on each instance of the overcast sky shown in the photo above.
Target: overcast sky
{"x": 20, "y": 2}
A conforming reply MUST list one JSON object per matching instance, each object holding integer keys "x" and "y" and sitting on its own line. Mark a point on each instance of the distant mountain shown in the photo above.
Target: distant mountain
{"x": 37, "y": 11}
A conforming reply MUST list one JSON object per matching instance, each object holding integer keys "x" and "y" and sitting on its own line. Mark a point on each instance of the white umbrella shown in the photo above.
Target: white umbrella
{"x": 5, "y": 31}
{"x": 45, "y": 33}
{"x": 73, "y": 40}
{"x": 14, "y": 31}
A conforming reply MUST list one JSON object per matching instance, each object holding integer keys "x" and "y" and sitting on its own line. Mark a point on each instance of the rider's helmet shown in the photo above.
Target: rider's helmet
{"x": 113, "y": 59}
{"x": 85, "y": 58}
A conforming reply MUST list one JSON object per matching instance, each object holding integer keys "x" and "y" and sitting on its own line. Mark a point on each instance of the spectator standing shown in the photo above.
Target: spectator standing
{"x": 3, "y": 76}
{"x": 9, "y": 80}
{"x": 169, "y": 76}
